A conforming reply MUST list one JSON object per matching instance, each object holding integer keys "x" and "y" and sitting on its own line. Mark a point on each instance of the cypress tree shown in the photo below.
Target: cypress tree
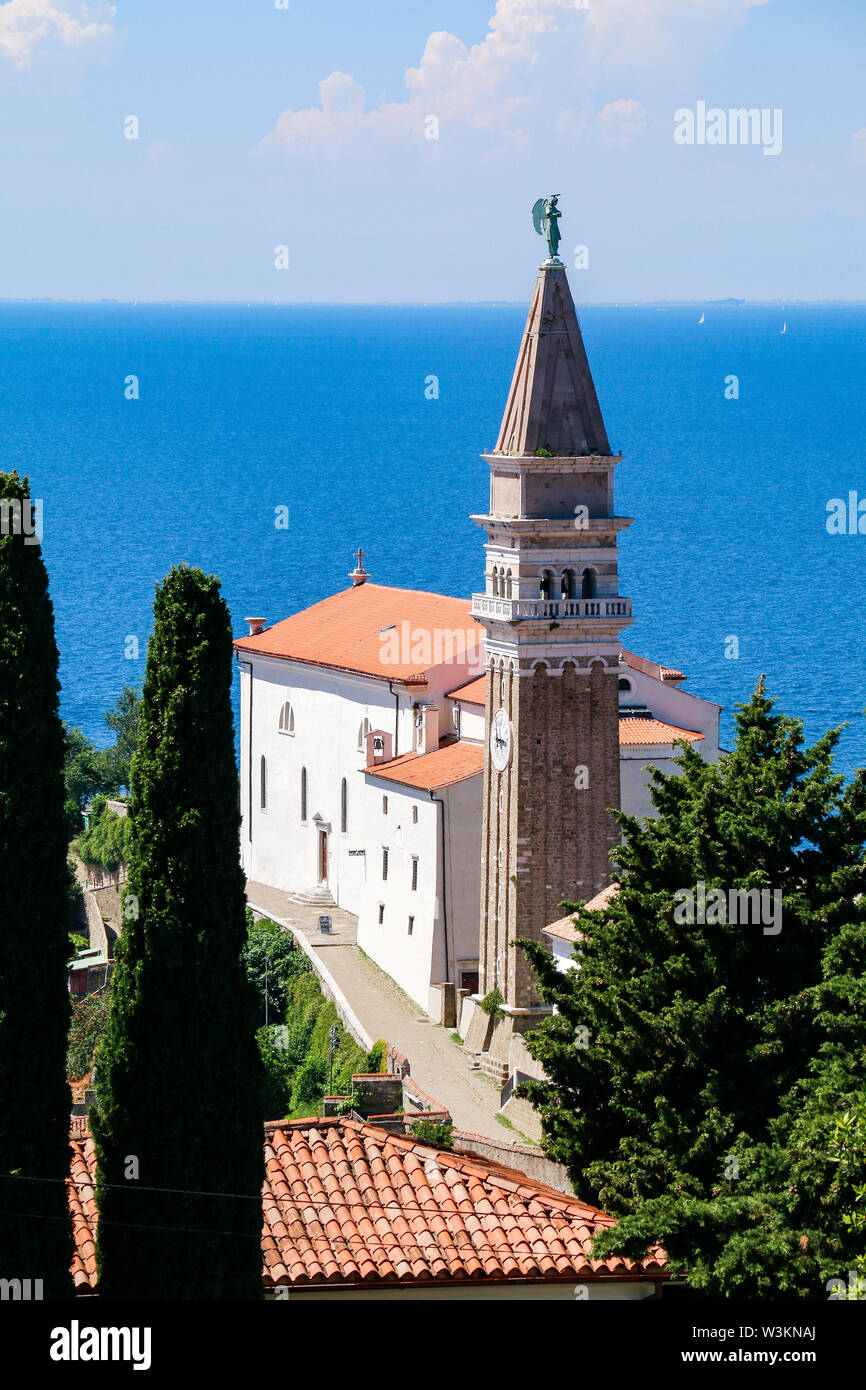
{"x": 35, "y": 1237}
{"x": 692, "y": 1065}
{"x": 178, "y": 1124}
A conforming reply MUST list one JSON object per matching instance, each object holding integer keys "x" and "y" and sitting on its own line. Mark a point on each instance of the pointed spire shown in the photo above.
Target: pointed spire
{"x": 552, "y": 402}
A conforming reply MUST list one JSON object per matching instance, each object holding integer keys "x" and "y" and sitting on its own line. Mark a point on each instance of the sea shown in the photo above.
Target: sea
{"x": 267, "y": 443}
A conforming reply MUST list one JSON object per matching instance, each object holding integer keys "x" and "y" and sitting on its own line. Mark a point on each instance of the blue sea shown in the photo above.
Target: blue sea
{"x": 322, "y": 410}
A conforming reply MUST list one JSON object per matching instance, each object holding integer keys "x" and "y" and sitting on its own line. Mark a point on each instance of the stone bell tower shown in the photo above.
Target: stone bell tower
{"x": 552, "y": 615}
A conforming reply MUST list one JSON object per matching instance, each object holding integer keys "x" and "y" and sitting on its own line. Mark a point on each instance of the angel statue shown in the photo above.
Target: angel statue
{"x": 545, "y": 217}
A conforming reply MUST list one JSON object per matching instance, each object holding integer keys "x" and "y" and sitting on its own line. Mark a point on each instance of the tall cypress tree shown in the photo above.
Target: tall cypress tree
{"x": 35, "y": 1238}
{"x": 178, "y": 1124}
{"x": 684, "y": 1056}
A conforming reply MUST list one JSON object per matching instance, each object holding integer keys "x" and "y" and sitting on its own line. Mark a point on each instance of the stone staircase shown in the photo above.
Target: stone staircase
{"x": 314, "y": 897}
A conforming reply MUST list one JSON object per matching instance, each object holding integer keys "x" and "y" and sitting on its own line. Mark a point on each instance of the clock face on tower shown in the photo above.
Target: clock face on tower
{"x": 500, "y": 740}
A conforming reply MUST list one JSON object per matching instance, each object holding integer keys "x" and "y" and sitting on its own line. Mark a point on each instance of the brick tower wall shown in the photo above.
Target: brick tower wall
{"x": 555, "y": 837}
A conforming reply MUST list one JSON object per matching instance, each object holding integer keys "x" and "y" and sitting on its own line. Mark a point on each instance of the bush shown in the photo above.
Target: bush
{"x": 88, "y": 1023}
{"x": 310, "y": 1082}
{"x": 278, "y": 1086}
{"x": 376, "y": 1056}
{"x": 432, "y": 1132}
{"x": 269, "y": 948}
{"x": 492, "y": 1003}
{"x": 107, "y": 839}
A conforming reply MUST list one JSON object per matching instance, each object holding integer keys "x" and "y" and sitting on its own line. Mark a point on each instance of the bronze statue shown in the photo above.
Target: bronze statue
{"x": 545, "y": 217}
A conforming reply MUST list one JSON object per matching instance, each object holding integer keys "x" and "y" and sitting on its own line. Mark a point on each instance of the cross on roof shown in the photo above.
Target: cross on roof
{"x": 359, "y": 556}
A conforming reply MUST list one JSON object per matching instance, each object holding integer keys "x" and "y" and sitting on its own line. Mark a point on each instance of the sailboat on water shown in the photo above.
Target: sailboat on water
{"x": 701, "y": 319}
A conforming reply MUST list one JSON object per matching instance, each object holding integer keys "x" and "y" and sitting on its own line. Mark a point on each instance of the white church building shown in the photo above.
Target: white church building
{"x": 362, "y": 732}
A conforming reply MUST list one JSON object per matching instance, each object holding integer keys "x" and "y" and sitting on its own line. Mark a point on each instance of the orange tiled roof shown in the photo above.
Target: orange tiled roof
{"x": 636, "y": 731}
{"x": 376, "y": 631}
{"x": 565, "y": 930}
{"x": 473, "y": 693}
{"x": 349, "y": 1203}
{"x": 447, "y": 764}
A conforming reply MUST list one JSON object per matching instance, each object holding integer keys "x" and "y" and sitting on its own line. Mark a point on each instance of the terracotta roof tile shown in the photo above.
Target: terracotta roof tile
{"x": 449, "y": 763}
{"x": 345, "y": 1202}
{"x": 640, "y": 732}
{"x": 473, "y": 693}
{"x": 392, "y": 634}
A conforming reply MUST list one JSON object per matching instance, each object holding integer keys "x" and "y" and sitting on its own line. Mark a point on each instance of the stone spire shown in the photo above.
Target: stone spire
{"x": 552, "y": 402}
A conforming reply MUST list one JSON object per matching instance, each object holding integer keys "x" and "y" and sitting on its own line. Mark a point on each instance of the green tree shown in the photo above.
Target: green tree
{"x": 179, "y": 1114}
{"x": 271, "y": 959}
{"x": 83, "y": 775}
{"x": 122, "y": 719}
{"x": 106, "y": 841}
{"x": 682, "y": 1052}
{"x": 35, "y": 1238}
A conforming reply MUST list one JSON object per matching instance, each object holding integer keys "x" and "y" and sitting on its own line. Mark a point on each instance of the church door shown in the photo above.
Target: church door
{"x": 323, "y": 856}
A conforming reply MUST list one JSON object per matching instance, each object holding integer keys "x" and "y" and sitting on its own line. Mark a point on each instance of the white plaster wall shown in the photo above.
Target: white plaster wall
{"x": 407, "y": 959}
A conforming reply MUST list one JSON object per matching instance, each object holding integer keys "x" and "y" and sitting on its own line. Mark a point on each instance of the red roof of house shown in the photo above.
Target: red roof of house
{"x": 449, "y": 763}
{"x": 640, "y": 732}
{"x": 651, "y": 668}
{"x": 392, "y": 634}
{"x": 473, "y": 693}
{"x": 348, "y": 1203}
{"x": 565, "y": 930}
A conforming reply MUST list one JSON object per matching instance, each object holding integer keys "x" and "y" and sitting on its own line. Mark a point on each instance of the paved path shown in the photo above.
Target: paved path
{"x": 382, "y": 1010}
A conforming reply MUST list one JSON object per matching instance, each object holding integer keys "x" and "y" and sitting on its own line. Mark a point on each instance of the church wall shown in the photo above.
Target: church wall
{"x": 675, "y": 706}
{"x": 408, "y": 959}
{"x": 328, "y": 709}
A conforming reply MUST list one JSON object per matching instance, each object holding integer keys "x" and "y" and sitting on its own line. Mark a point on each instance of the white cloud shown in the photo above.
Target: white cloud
{"x": 518, "y": 83}
{"x": 26, "y": 23}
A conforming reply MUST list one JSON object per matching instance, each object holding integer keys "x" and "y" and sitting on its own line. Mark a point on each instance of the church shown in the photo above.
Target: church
{"x": 444, "y": 768}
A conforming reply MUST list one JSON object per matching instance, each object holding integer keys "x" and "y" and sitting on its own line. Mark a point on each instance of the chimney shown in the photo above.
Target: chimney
{"x": 426, "y": 728}
{"x": 257, "y": 625}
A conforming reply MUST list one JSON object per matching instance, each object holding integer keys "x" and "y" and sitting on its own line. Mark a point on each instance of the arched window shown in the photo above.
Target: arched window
{"x": 263, "y": 783}
{"x": 567, "y": 584}
{"x": 496, "y": 581}
{"x": 303, "y": 793}
{"x": 508, "y": 584}
{"x": 624, "y": 685}
{"x": 587, "y": 589}
{"x": 364, "y": 730}
{"x": 545, "y": 583}
{"x": 287, "y": 718}
{"x": 344, "y": 806}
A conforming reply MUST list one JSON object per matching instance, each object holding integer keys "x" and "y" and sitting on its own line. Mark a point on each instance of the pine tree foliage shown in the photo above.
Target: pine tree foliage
{"x": 719, "y": 1054}
{"x": 35, "y": 1238}
{"x": 178, "y": 1124}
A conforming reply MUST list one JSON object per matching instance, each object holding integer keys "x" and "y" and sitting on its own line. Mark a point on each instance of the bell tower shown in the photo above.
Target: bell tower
{"x": 552, "y": 615}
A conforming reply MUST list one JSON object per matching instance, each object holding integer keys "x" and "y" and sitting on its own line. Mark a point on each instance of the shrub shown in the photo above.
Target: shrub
{"x": 492, "y": 1003}
{"x": 87, "y": 1025}
{"x": 432, "y": 1132}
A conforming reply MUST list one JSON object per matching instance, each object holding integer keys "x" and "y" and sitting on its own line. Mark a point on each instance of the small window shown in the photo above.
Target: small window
{"x": 263, "y": 788}
{"x": 287, "y": 719}
{"x": 381, "y": 913}
{"x": 624, "y": 684}
{"x": 384, "y": 862}
{"x": 344, "y": 806}
{"x": 411, "y": 925}
{"x": 414, "y": 874}
{"x": 303, "y": 793}
{"x": 365, "y": 729}
{"x": 384, "y": 805}
{"x": 414, "y": 815}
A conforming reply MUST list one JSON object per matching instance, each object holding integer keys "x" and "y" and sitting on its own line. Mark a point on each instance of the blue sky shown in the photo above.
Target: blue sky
{"x": 305, "y": 127}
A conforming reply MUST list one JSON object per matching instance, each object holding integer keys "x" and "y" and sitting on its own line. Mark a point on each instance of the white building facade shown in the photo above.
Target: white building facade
{"x": 362, "y": 749}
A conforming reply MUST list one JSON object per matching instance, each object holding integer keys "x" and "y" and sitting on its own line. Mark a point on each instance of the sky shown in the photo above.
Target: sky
{"x": 395, "y": 149}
